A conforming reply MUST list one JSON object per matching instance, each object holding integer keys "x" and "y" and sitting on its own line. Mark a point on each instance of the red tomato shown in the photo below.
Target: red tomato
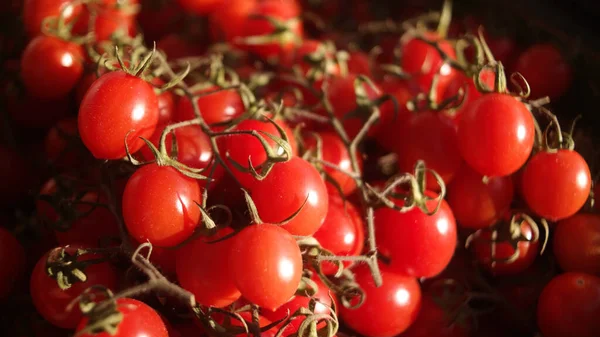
{"x": 477, "y": 203}
{"x": 165, "y": 260}
{"x": 51, "y": 302}
{"x": 429, "y": 136}
{"x": 423, "y": 61}
{"x": 201, "y": 270}
{"x": 418, "y": 244}
{"x": 86, "y": 81}
{"x": 342, "y": 232}
{"x": 285, "y": 190}
{"x": 218, "y": 107}
{"x": 159, "y": 205}
{"x": 35, "y": 11}
{"x": 286, "y": 12}
{"x": 200, "y": 7}
{"x": 546, "y": 71}
{"x": 434, "y": 320}
{"x": 228, "y": 20}
{"x": 496, "y": 135}
{"x": 193, "y": 146}
{"x": 388, "y": 310}
{"x": 230, "y": 149}
{"x": 116, "y": 104}
{"x": 486, "y": 252}
{"x": 114, "y": 22}
{"x": 390, "y": 123}
{"x": 139, "y": 320}
{"x": 308, "y": 48}
{"x": 51, "y": 67}
{"x": 359, "y": 63}
{"x": 247, "y": 317}
{"x": 556, "y": 184}
{"x": 266, "y": 264}
{"x": 297, "y": 302}
{"x": 576, "y": 242}
{"x": 12, "y": 262}
{"x": 334, "y": 152}
{"x": 166, "y": 105}
{"x": 471, "y": 94}
{"x": 156, "y": 20}
{"x": 61, "y": 142}
{"x": 570, "y": 306}
{"x": 342, "y": 97}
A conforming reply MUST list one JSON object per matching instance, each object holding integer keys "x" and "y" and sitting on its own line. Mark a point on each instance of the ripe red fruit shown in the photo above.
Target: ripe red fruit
{"x": 51, "y": 67}
{"x": 12, "y": 262}
{"x": 570, "y": 306}
{"x": 114, "y": 105}
{"x": 200, "y": 270}
{"x": 218, "y": 107}
{"x": 388, "y": 310}
{"x": 556, "y": 184}
{"x": 281, "y": 194}
{"x": 477, "y": 203}
{"x": 496, "y": 135}
{"x": 435, "y": 320}
{"x": 546, "y": 71}
{"x": 159, "y": 205}
{"x": 138, "y": 320}
{"x": 576, "y": 242}
{"x": 266, "y": 264}
{"x": 35, "y": 11}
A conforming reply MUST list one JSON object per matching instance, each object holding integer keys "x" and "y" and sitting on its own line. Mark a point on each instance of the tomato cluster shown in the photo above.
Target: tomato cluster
{"x": 236, "y": 167}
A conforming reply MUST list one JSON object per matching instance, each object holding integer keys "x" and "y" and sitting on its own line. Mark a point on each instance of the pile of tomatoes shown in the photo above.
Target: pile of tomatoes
{"x": 249, "y": 167}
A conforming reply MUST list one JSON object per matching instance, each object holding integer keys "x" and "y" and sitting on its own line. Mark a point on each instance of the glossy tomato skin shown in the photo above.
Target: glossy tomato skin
{"x": 114, "y": 105}
{"x": 139, "y": 320}
{"x": 266, "y": 264}
{"x": 114, "y": 22}
{"x": 496, "y": 135}
{"x": 228, "y": 20}
{"x": 418, "y": 245}
{"x": 285, "y": 190}
{"x": 485, "y": 251}
{"x": 221, "y": 106}
{"x": 201, "y": 269}
{"x": 471, "y": 93}
{"x": 399, "y": 297}
{"x": 334, "y": 151}
{"x": 342, "y": 232}
{"x": 546, "y": 71}
{"x": 570, "y": 306}
{"x": 556, "y": 184}
{"x": 159, "y": 205}
{"x": 51, "y": 302}
{"x": 433, "y": 320}
{"x": 12, "y": 262}
{"x": 429, "y": 136}
{"x": 35, "y": 11}
{"x": 575, "y": 244}
{"x": 51, "y": 67}
{"x": 477, "y": 203}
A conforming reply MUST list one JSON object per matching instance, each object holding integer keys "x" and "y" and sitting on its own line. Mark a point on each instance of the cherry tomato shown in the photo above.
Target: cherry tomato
{"x": 139, "y": 320}
{"x": 576, "y": 242}
{"x": 114, "y": 22}
{"x": 159, "y": 205}
{"x": 35, "y": 11}
{"x": 116, "y": 104}
{"x": 230, "y": 149}
{"x": 12, "y": 262}
{"x": 200, "y": 269}
{"x": 218, "y": 107}
{"x": 51, "y": 67}
{"x": 342, "y": 232}
{"x": 570, "y": 306}
{"x": 334, "y": 152}
{"x": 256, "y": 25}
{"x": 418, "y": 244}
{"x": 166, "y": 105}
{"x": 433, "y": 320}
{"x": 228, "y": 20}
{"x": 546, "y": 71}
{"x": 247, "y": 317}
{"x": 423, "y": 61}
{"x": 491, "y": 255}
{"x": 391, "y": 121}
{"x": 359, "y": 63}
{"x": 266, "y": 264}
{"x": 199, "y": 7}
{"x": 475, "y": 202}
{"x": 288, "y": 187}
{"x": 431, "y": 137}
{"x": 471, "y": 93}
{"x": 556, "y": 184}
{"x": 496, "y": 135}
{"x": 388, "y": 310}
{"x": 310, "y": 48}
{"x": 51, "y": 302}
{"x": 342, "y": 96}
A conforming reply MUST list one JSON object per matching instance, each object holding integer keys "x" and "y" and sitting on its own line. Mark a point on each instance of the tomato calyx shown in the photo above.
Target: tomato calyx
{"x": 509, "y": 232}
{"x": 282, "y": 34}
{"x": 58, "y": 26}
{"x": 67, "y": 268}
{"x": 102, "y": 316}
